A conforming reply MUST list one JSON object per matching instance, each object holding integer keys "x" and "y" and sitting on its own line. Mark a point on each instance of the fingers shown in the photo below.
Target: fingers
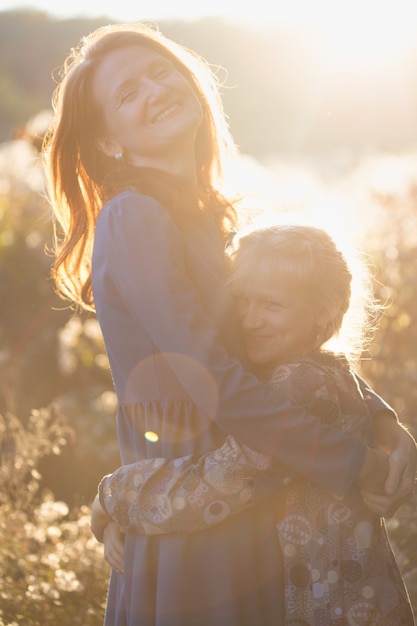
{"x": 402, "y": 465}
{"x": 114, "y": 547}
{"x": 396, "y": 467}
{"x": 384, "y": 506}
{"x": 399, "y": 488}
{"x": 400, "y": 480}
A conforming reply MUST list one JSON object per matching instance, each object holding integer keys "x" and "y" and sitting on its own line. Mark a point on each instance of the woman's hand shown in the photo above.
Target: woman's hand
{"x": 107, "y": 532}
{"x": 114, "y": 547}
{"x": 99, "y": 520}
{"x": 402, "y": 466}
{"x": 402, "y": 451}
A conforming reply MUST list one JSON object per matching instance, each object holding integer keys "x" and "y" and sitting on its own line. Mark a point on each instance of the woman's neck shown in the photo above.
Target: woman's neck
{"x": 179, "y": 162}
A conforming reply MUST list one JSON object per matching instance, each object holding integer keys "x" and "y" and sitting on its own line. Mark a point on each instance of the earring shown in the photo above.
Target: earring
{"x": 118, "y": 156}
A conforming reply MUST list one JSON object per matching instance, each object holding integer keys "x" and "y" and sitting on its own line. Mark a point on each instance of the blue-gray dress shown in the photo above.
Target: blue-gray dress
{"x": 172, "y": 340}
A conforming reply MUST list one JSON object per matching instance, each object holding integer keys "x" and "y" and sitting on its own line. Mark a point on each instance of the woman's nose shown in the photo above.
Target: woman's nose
{"x": 251, "y": 317}
{"x": 154, "y": 88}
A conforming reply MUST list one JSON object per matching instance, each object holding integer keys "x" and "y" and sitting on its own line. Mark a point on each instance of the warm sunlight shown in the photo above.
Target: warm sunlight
{"x": 368, "y": 32}
{"x": 321, "y": 100}
{"x": 369, "y": 36}
{"x": 354, "y": 32}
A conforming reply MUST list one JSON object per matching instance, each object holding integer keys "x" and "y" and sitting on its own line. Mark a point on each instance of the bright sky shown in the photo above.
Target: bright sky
{"x": 131, "y": 10}
{"x": 359, "y": 30}
{"x": 365, "y": 12}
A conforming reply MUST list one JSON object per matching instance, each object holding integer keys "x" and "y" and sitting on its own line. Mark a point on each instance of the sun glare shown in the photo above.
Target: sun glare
{"x": 374, "y": 36}
{"x": 356, "y": 32}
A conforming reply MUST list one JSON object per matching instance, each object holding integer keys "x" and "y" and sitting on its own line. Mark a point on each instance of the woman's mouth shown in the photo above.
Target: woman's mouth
{"x": 256, "y": 340}
{"x": 159, "y": 117}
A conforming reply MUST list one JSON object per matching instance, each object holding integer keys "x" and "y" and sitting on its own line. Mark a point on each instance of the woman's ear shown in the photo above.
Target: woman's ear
{"x": 109, "y": 147}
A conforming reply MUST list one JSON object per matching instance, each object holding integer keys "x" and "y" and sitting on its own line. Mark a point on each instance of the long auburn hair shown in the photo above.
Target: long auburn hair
{"x": 80, "y": 178}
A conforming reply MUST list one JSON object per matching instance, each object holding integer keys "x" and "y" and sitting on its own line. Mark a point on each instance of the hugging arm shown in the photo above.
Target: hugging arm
{"x": 186, "y": 495}
{"x": 157, "y": 496}
{"x": 402, "y": 464}
{"x": 141, "y": 251}
{"x": 401, "y": 448}
{"x": 138, "y": 233}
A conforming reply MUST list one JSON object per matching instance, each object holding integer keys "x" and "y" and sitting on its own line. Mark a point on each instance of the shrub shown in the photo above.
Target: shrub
{"x": 52, "y": 569}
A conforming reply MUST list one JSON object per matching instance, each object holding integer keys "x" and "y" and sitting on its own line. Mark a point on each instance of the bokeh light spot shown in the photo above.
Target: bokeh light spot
{"x": 151, "y": 436}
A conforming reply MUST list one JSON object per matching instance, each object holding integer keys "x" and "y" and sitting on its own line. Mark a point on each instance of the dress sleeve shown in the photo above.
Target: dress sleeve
{"x": 375, "y": 403}
{"x": 157, "y": 496}
{"x": 139, "y": 246}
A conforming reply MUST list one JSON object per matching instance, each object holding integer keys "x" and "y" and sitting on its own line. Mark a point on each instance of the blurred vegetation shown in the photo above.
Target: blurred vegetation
{"x": 57, "y": 406}
{"x": 47, "y": 353}
{"x": 52, "y": 570}
{"x": 393, "y": 356}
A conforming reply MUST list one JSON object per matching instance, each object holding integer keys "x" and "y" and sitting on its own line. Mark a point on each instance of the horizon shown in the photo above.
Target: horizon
{"x": 323, "y": 13}
{"x": 162, "y": 10}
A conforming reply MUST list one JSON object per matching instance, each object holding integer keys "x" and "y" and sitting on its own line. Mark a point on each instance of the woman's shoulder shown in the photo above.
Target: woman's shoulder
{"x": 326, "y": 361}
{"x": 312, "y": 384}
{"x": 131, "y": 200}
{"x": 300, "y": 376}
{"x": 130, "y": 211}
{"x": 317, "y": 371}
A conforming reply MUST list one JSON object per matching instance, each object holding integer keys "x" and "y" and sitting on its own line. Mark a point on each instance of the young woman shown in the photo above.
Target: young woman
{"x": 292, "y": 287}
{"x": 134, "y": 158}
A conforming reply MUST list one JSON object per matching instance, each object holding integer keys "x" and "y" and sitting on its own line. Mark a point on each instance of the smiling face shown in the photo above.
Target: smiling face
{"x": 292, "y": 287}
{"x": 278, "y": 322}
{"x": 150, "y": 111}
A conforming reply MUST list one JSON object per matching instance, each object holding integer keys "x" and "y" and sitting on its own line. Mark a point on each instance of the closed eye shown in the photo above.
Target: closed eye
{"x": 162, "y": 70}
{"x": 163, "y": 73}
{"x": 127, "y": 96}
{"x": 273, "y": 304}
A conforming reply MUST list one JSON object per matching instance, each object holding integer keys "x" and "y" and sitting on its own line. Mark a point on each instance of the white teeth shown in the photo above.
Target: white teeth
{"x": 165, "y": 113}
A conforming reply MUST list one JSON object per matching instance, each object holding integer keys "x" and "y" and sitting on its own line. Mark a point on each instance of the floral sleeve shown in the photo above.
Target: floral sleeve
{"x": 157, "y": 496}
{"x": 188, "y": 494}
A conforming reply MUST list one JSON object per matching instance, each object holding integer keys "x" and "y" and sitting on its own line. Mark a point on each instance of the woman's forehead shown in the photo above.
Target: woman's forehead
{"x": 260, "y": 280}
{"x": 118, "y": 64}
